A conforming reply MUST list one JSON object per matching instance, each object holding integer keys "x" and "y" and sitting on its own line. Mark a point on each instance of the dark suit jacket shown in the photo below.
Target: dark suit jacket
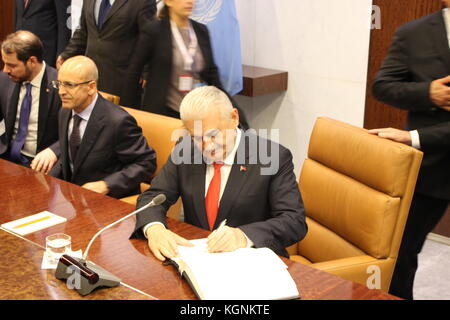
{"x": 48, "y": 20}
{"x": 49, "y": 105}
{"x": 418, "y": 55}
{"x": 155, "y": 49}
{"x": 267, "y": 207}
{"x": 111, "y": 47}
{"x": 435, "y": 138}
{"x": 113, "y": 149}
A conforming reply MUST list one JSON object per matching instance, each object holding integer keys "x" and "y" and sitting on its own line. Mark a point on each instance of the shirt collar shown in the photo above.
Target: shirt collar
{"x": 229, "y": 160}
{"x": 37, "y": 81}
{"x": 86, "y": 113}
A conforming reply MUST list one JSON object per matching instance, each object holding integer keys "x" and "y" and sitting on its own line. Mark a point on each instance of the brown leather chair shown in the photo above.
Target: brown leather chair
{"x": 158, "y": 131}
{"x": 357, "y": 190}
{"x": 110, "y": 97}
{"x": 161, "y": 134}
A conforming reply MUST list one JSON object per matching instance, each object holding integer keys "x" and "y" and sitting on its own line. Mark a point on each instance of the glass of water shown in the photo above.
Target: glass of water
{"x": 56, "y": 245}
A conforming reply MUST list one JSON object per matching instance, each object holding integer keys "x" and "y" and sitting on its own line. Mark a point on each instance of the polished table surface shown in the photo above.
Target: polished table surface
{"x": 25, "y": 193}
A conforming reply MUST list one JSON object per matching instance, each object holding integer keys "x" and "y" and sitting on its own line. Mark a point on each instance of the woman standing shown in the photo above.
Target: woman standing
{"x": 177, "y": 54}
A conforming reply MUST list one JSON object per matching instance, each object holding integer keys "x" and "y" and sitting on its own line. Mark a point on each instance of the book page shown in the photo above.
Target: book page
{"x": 245, "y": 274}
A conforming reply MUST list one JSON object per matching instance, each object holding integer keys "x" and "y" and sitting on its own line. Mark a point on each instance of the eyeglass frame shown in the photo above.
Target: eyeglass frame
{"x": 67, "y": 84}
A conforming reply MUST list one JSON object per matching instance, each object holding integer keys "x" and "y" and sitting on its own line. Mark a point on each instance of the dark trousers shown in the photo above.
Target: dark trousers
{"x": 424, "y": 215}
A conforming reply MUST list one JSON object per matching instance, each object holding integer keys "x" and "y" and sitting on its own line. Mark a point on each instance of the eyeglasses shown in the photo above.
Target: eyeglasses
{"x": 67, "y": 84}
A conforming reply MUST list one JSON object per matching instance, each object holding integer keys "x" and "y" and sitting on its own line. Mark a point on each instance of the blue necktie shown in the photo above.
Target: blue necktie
{"x": 104, "y": 8}
{"x": 22, "y": 132}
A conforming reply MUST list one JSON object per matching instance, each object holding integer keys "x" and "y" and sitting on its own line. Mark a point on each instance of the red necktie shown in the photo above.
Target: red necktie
{"x": 26, "y": 3}
{"x": 212, "y": 196}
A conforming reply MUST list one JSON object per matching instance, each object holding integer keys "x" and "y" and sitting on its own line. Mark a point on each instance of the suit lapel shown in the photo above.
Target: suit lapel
{"x": 115, "y": 7}
{"x": 94, "y": 126}
{"x": 66, "y": 114}
{"x": 236, "y": 179}
{"x": 439, "y": 34}
{"x": 91, "y": 14}
{"x": 202, "y": 43}
{"x": 29, "y": 8}
{"x": 12, "y": 109}
{"x": 43, "y": 108}
{"x": 197, "y": 177}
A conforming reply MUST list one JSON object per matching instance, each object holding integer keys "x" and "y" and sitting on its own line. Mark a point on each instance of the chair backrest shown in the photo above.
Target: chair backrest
{"x": 160, "y": 132}
{"x": 110, "y": 97}
{"x": 357, "y": 189}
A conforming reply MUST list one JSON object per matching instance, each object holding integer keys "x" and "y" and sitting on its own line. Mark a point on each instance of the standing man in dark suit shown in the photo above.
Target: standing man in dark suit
{"x": 29, "y": 105}
{"x": 48, "y": 20}
{"x": 108, "y": 34}
{"x": 219, "y": 172}
{"x": 101, "y": 147}
{"x": 415, "y": 77}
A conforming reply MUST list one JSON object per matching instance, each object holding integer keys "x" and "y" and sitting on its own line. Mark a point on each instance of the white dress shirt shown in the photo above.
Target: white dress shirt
{"x": 30, "y": 146}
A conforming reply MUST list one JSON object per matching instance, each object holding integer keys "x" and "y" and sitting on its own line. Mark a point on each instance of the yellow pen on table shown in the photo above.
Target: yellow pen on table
{"x": 31, "y": 222}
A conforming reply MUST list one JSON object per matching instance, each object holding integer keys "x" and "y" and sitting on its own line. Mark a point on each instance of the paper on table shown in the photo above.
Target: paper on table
{"x": 33, "y": 223}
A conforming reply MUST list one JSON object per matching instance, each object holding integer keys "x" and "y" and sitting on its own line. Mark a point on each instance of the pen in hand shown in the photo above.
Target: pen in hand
{"x": 221, "y": 225}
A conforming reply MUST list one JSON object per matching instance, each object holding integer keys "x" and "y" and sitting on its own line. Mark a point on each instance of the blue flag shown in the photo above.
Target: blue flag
{"x": 220, "y": 17}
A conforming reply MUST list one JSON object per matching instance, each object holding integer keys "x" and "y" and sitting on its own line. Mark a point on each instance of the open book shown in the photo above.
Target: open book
{"x": 244, "y": 274}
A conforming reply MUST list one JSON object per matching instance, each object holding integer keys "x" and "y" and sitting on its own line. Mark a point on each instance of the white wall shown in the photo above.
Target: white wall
{"x": 323, "y": 44}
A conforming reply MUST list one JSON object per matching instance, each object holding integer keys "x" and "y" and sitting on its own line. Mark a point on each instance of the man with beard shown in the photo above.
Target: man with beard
{"x": 29, "y": 106}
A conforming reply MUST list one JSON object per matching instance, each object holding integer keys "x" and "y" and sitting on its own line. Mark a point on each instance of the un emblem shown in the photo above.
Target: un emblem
{"x": 206, "y": 10}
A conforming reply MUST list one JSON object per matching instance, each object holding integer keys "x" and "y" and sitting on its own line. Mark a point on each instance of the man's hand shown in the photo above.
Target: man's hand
{"x": 226, "y": 239}
{"x": 163, "y": 243}
{"x": 440, "y": 93}
{"x": 59, "y": 61}
{"x": 97, "y": 186}
{"x": 44, "y": 161}
{"x": 393, "y": 134}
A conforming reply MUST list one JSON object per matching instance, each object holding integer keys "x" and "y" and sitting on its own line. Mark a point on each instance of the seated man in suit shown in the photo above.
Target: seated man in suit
{"x": 100, "y": 145}
{"x": 29, "y": 106}
{"x": 220, "y": 174}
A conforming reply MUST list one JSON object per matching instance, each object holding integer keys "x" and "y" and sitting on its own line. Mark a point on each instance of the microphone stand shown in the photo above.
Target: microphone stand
{"x": 86, "y": 275}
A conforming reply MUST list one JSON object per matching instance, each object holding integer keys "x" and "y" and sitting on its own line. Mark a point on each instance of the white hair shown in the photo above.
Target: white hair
{"x": 199, "y": 102}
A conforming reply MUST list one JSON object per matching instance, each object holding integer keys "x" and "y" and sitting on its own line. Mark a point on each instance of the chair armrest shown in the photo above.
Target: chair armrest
{"x": 360, "y": 269}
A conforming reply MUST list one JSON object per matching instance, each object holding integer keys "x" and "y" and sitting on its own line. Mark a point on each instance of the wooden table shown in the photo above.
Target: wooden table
{"x": 25, "y": 192}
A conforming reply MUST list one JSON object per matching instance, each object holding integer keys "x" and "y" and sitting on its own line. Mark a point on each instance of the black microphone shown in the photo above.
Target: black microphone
{"x": 85, "y": 275}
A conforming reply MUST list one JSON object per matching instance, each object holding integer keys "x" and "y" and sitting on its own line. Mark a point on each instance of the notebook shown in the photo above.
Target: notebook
{"x": 33, "y": 223}
{"x": 244, "y": 274}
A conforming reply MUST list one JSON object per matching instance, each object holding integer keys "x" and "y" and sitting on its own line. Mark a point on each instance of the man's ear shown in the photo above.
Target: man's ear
{"x": 92, "y": 88}
{"x": 235, "y": 116}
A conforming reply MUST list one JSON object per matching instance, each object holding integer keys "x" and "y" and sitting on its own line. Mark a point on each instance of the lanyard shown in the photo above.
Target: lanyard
{"x": 187, "y": 53}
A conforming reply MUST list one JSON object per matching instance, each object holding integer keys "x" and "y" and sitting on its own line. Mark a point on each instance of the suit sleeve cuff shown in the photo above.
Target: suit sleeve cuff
{"x": 415, "y": 139}
{"x": 144, "y": 228}
{"x": 250, "y": 243}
